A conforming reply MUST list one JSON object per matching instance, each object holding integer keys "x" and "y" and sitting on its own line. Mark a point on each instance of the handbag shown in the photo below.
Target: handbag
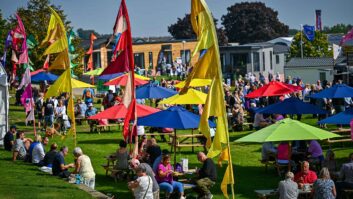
{"x": 149, "y": 182}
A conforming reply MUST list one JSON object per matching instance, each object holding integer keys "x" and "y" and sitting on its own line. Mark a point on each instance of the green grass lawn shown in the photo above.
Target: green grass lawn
{"x": 22, "y": 180}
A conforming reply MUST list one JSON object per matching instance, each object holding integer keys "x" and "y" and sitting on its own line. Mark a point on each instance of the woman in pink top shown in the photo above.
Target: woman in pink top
{"x": 165, "y": 178}
{"x": 283, "y": 153}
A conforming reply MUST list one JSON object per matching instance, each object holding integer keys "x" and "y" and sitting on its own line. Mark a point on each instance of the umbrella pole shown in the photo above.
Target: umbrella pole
{"x": 174, "y": 140}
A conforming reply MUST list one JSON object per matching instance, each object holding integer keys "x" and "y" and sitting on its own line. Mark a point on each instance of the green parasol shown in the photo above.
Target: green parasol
{"x": 94, "y": 72}
{"x": 287, "y": 130}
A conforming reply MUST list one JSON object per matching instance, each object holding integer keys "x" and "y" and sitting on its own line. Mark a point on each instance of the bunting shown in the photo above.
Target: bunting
{"x": 209, "y": 67}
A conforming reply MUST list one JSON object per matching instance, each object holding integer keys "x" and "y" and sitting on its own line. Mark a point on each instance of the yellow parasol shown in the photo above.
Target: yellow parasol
{"x": 195, "y": 83}
{"x": 192, "y": 96}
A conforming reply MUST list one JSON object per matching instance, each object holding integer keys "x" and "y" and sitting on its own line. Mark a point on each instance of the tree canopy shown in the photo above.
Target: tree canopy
{"x": 4, "y": 29}
{"x": 338, "y": 28}
{"x": 250, "y": 22}
{"x": 35, "y": 17}
{"x": 182, "y": 29}
{"x": 319, "y": 47}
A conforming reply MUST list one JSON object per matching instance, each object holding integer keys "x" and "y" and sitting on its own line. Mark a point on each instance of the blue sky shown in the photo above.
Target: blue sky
{"x": 152, "y": 17}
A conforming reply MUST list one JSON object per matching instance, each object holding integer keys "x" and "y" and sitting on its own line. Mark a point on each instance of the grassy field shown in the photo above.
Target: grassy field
{"x": 22, "y": 180}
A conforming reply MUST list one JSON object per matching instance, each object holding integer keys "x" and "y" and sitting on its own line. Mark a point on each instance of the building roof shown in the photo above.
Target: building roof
{"x": 312, "y": 62}
{"x": 279, "y": 49}
{"x": 334, "y": 38}
{"x": 85, "y": 43}
{"x": 282, "y": 40}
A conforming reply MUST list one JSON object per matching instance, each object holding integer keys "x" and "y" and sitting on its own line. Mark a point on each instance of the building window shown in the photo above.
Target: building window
{"x": 185, "y": 56}
{"x": 150, "y": 60}
{"x": 277, "y": 59}
{"x": 109, "y": 56}
{"x": 139, "y": 59}
{"x": 271, "y": 55}
{"x": 256, "y": 58}
{"x": 96, "y": 59}
{"x": 223, "y": 61}
{"x": 263, "y": 62}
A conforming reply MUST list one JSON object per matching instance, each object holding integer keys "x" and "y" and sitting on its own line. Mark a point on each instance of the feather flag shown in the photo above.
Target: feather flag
{"x": 336, "y": 50}
{"x": 347, "y": 37}
{"x": 46, "y": 63}
{"x": 123, "y": 61}
{"x": 90, "y": 52}
{"x": 309, "y": 32}
{"x": 56, "y": 35}
{"x": 209, "y": 67}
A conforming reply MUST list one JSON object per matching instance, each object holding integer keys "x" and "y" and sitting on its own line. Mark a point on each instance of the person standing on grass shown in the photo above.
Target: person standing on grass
{"x": 287, "y": 188}
{"x": 207, "y": 176}
{"x": 84, "y": 167}
{"x": 9, "y": 140}
{"x": 59, "y": 167}
{"x": 90, "y": 112}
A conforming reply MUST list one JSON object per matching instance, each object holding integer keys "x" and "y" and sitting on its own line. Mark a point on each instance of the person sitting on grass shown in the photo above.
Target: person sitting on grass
{"x": 37, "y": 140}
{"x": 59, "y": 167}
{"x": 165, "y": 178}
{"x": 287, "y": 188}
{"x": 83, "y": 166}
{"x": 9, "y": 140}
{"x": 206, "y": 176}
{"x": 305, "y": 176}
{"x": 38, "y": 151}
{"x": 20, "y": 146}
{"x": 49, "y": 157}
{"x": 155, "y": 188}
{"x": 142, "y": 186}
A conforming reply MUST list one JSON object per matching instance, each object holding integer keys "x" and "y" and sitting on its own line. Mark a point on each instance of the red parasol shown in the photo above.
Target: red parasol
{"x": 122, "y": 81}
{"x": 119, "y": 111}
{"x": 37, "y": 71}
{"x": 273, "y": 88}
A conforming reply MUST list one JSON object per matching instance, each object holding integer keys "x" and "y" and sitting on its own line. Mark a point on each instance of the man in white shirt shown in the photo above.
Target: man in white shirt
{"x": 38, "y": 151}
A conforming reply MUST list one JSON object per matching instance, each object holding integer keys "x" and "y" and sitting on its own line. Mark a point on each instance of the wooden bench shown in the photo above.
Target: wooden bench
{"x": 157, "y": 134}
{"x": 268, "y": 163}
{"x": 99, "y": 128}
{"x": 181, "y": 141}
{"x": 339, "y": 140}
{"x": 339, "y": 131}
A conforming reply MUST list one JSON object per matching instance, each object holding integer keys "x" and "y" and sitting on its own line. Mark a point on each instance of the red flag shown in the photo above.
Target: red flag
{"x": 347, "y": 37}
{"x": 123, "y": 61}
{"x": 90, "y": 51}
{"x": 46, "y": 63}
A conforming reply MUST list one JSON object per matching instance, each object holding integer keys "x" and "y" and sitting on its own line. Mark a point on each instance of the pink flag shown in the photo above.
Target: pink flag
{"x": 20, "y": 30}
{"x": 347, "y": 37}
{"x": 26, "y": 79}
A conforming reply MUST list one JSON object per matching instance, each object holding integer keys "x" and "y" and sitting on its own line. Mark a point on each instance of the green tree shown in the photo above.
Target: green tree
{"x": 338, "y": 28}
{"x": 252, "y": 22}
{"x": 182, "y": 29}
{"x": 319, "y": 47}
{"x": 35, "y": 17}
{"x": 4, "y": 28}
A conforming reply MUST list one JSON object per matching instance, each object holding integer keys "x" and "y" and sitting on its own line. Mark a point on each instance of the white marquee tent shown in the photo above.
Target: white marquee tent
{"x": 4, "y": 103}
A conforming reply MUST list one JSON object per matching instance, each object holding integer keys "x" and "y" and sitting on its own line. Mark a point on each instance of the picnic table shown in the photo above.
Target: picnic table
{"x": 110, "y": 163}
{"x": 185, "y": 140}
{"x": 99, "y": 128}
{"x": 268, "y": 193}
{"x": 344, "y": 132}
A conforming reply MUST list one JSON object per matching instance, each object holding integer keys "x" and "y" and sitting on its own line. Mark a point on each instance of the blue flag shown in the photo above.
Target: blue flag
{"x": 309, "y": 32}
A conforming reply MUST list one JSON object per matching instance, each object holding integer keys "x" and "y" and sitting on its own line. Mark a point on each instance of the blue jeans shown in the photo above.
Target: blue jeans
{"x": 170, "y": 187}
{"x": 49, "y": 120}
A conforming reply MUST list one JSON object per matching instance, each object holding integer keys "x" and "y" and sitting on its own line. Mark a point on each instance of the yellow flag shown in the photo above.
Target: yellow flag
{"x": 56, "y": 35}
{"x": 209, "y": 67}
{"x": 61, "y": 61}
